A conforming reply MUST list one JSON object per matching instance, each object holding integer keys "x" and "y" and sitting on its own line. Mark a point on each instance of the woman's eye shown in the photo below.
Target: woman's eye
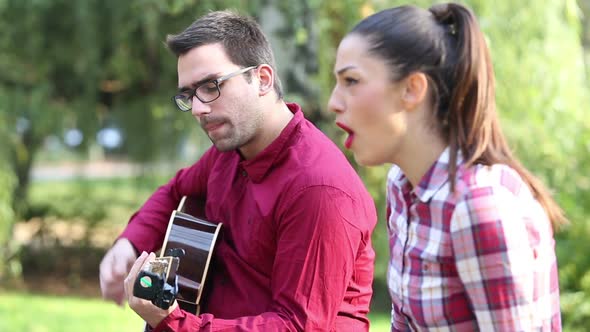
{"x": 348, "y": 81}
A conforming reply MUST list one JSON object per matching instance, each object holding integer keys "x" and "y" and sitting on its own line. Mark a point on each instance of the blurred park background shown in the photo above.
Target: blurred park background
{"x": 88, "y": 131}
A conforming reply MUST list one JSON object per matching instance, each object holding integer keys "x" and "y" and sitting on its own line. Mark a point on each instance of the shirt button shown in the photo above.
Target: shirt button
{"x": 244, "y": 173}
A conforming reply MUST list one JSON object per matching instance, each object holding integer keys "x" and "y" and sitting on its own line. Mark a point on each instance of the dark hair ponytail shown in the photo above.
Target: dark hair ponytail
{"x": 469, "y": 117}
{"x": 447, "y": 45}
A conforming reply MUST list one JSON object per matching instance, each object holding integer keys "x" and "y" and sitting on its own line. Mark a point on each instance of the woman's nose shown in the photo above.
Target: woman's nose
{"x": 335, "y": 103}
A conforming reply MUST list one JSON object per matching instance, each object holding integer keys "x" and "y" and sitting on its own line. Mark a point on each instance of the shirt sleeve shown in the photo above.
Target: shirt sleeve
{"x": 318, "y": 240}
{"x": 181, "y": 321}
{"x": 494, "y": 259}
{"x": 147, "y": 227}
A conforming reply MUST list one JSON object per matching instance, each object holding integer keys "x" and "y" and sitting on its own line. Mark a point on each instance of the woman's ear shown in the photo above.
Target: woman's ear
{"x": 415, "y": 90}
{"x": 266, "y": 79}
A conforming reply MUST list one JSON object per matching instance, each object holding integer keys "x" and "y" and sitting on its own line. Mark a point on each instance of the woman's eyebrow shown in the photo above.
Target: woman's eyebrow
{"x": 342, "y": 70}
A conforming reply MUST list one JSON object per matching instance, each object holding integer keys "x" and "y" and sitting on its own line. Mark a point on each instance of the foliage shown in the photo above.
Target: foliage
{"x": 541, "y": 86}
{"x": 90, "y": 65}
{"x": 7, "y": 266}
{"x": 96, "y": 204}
{"x": 93, "y": 64}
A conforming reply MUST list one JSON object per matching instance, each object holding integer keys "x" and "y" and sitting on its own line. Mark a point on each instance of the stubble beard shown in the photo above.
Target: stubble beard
{"x": 226, "y": 144}
{"x": 235, "y": 139}
{"x": 240, "y": 135}
{"x": 243, "y": 129}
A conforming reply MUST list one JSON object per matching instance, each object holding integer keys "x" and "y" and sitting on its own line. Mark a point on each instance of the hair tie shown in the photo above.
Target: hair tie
{"x": 444, "y": 15}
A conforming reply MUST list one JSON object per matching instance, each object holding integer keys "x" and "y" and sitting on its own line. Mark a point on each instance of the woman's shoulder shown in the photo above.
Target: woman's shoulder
{"x": 496, "y": 192}
{"x": 498, "y": 178}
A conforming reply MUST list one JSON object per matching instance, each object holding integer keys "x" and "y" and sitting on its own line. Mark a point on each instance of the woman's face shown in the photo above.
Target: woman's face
{"x": 368, "y": 105}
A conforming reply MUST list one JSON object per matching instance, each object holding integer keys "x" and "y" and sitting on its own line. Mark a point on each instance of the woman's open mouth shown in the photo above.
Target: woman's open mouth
{"x": 350, "y": 138}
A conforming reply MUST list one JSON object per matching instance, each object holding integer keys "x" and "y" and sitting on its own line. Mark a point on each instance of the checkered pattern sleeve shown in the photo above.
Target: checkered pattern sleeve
{"x": 504, "y": 260}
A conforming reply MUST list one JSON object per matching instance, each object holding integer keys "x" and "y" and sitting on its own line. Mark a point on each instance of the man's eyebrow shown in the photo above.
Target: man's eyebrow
{"x": 193, "y": 85}
{"x": 342, "y": 70}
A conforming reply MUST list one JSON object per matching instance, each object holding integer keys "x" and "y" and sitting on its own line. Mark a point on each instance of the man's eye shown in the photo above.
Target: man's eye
{"x": 209, "y": 87}
{"x": 185, "y": 94}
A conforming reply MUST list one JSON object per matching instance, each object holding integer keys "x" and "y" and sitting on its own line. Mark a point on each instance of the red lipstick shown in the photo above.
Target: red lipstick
{"x": 350, "y": 138}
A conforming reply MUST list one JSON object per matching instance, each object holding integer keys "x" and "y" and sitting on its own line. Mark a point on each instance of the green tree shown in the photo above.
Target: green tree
{"x": 87, "y": 65}
{"x": 94, "y": 64}
{"x": 6, "y": 212}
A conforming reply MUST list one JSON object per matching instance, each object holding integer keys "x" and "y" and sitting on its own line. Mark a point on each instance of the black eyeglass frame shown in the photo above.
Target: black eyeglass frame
{"x": 187, "y": 100}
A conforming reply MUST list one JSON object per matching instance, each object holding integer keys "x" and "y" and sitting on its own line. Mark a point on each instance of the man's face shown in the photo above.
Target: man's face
{"x": 232, "y": 120}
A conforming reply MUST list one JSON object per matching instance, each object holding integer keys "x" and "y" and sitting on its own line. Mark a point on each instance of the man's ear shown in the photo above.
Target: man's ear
{"x": 266, "y": 78}
{"x": 415, "y": 90}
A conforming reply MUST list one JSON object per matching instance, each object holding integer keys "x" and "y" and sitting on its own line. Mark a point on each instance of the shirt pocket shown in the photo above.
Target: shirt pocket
{"x": 433, "y": 270}
{"x": 435, "y": 285}
{"x": 256, "y": 242}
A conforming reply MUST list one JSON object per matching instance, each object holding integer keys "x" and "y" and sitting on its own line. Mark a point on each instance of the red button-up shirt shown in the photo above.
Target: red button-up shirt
{"x": 296, "y": 246}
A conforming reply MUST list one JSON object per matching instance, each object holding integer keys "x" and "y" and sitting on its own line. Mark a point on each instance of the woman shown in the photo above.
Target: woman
{"x": 471, "y": 230}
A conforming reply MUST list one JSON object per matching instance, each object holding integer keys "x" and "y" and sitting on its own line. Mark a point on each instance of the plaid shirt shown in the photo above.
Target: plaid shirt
{"x": 480, "y": 259}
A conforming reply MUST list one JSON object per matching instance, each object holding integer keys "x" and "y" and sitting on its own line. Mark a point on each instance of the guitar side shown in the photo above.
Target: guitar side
{"x": 197, "y": 237}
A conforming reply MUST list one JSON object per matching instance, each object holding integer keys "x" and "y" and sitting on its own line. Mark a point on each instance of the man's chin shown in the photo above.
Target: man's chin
{"x": 223, "y": 145}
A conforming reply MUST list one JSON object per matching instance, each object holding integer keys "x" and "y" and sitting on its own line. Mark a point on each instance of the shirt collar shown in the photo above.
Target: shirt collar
{"x": 433, "y": 180}
{"x": 258, "y": 166}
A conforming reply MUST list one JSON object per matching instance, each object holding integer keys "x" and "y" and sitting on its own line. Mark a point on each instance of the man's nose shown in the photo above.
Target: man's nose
{"x": 199, "y": 108}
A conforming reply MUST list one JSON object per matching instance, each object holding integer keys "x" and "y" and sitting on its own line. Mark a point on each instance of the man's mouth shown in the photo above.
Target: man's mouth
{"x": 212, "y": 126}
{"x": 350, "y": 138}
{"x": 209, "y": 126}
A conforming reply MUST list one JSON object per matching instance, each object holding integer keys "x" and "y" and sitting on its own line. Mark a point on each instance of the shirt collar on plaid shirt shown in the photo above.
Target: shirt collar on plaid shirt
{"x": 432, "y": 181}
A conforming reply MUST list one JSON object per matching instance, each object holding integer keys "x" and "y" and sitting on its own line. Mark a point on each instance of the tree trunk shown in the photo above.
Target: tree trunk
{"x": 22, "y": 161}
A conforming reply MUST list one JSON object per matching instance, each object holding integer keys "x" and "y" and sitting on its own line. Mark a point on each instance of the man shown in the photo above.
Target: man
{"x": 296, "y": 251}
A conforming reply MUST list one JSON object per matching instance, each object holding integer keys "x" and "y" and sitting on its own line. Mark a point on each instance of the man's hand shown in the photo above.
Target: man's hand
{"x": 114, "y": 267}
{"x": 144, "y": 308}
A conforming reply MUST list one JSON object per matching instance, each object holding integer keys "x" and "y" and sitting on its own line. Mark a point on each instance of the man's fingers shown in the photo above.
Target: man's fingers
{"x": 137, "y": 265}
{"x": 113, "y": 269}
{"x": 106, "y": 267}
{"x": 108, "y": 285}
{"x": 121, "y": 266}
{"x": 120, "y": 298}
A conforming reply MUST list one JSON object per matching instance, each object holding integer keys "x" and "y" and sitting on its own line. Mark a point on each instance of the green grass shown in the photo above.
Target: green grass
{"x": 21, "y": 312}
{"x": 380, "y": 322}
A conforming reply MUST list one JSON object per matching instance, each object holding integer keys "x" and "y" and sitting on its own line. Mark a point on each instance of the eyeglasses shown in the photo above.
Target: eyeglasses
{"x": 206, "y": 92}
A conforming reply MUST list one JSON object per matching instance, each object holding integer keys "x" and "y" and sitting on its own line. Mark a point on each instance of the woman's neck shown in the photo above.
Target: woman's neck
{"x": 418, "y": 155}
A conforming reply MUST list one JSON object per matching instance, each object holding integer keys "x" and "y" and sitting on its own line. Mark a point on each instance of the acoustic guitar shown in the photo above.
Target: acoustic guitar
{"x": 196, "y": 237}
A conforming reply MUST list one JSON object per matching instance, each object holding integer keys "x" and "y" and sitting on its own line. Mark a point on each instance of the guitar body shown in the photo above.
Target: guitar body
{"x": 197, "y": 237}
